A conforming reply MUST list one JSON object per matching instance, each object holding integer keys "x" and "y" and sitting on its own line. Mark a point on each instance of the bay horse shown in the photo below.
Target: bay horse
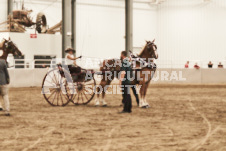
{"x": 7, "y": 46}
{"x": 144, "y": 72}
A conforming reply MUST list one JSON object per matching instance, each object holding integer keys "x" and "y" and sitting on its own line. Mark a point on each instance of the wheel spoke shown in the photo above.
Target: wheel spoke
{"x": 82, "y": 93}
{"x": 85, "y": 96}
{"x": 78, "y": 97}
{"x": 82, "y": 98}
{"x": 58, "y": 76}
{"x": 57, "y": 98}
{"x": 90, "y": 83}
{"x": 64, "y": 96}
{"x": 52, "y": 78}
{"x": 51, "y": 94}
{"x": 54, "y": 98}
{"x": 49, "y": 82}
{"x": 88, "y": 92}
{"x": 74, "y": 97}
{"x": 61, "y": 98}
{"x": 55, "y": 78}
{"x": 65, "y": 87}
{"x": 47, "y": 90}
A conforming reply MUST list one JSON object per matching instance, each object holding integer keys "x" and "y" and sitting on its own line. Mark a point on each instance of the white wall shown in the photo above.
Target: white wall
{"x": 34, "y": 77}
{"x": 100, "y": 24}
{"x": 44, "y": 44}
{"x": 3, "y": 10}
{"x": 100, "y": 28}
{"x": 184, "y": 29}
{"x": 52, "y": 10}
{"x": 191, "y": 30}
{"x": 144, "y": 24}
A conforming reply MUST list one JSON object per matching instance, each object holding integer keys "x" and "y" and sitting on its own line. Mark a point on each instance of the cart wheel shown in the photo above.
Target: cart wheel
{"x": 84, "y": 92}
{"x": 41, "y": 23}
{"x": 56, "y": 89}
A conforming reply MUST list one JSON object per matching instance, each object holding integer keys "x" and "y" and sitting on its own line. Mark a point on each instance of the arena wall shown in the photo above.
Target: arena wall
{"x": 34, "y": 77}
{"x": 3, "y": 8}
{"x": 100, "y": 25}
{"x": 190, "y": 30}
{"x": 184, "y": 29}
{"x": 44, "y": 44}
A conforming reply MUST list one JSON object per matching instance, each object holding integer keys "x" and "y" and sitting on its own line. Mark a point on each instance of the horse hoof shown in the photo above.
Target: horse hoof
{"x": 105, "y": 105}
{"x": 145, "y": 107}
{"x": 97, "y": 104}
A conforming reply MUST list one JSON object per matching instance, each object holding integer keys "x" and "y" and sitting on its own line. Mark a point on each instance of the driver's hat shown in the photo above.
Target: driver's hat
{"x": 70, "y": 49}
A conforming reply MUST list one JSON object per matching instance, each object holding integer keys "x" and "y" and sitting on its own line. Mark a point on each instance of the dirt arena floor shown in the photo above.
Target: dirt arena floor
{"x": 180, "y": 118}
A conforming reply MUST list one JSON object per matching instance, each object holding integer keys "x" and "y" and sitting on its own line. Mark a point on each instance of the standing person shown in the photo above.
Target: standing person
{"x": 4, "y": 81}
{"x": 210, "y": 65}
{"x": 220, "y": 65}
{"x": 126, "y": 72}
{"x": 135, "y": 92}
{"x": 196, "y": 66}
{"x": 187, "y": 65}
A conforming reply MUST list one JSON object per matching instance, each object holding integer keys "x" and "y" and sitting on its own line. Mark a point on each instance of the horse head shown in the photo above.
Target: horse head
{"x": 10, "y": 47}
{"x": 151, "y": 49}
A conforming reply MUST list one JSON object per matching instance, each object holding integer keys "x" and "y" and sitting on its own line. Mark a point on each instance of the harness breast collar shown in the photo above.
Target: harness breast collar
{"x": 150, "y": 65}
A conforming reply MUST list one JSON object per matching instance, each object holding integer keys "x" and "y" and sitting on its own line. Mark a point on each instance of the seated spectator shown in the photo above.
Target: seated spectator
{"x": 220, "y": 65}
{"x": 210, "y": 65}
{"x": 187, "y": 65}
{"x": 196, "y": 66}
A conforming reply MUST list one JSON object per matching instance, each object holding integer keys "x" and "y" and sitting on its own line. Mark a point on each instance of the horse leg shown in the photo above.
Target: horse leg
{"x": 146, "y": 88}
{"x": 99, "y": 91}
{"x": 97, "y": 101}
{"x": 105, "y": 87}
{"x": 145, "y": 92}
{"x": 141, "y": 104}
{"x": 135, "y": 94}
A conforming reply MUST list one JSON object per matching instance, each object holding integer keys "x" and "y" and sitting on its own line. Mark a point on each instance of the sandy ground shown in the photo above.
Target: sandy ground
{"x": 180, "y": 118}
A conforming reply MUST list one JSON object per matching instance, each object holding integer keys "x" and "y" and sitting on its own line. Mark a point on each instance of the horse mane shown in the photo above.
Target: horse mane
{"x": 142, "y": 50}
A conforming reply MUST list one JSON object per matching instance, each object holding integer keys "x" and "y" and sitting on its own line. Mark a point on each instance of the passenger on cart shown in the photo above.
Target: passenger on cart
{"x": 70, "y": 60}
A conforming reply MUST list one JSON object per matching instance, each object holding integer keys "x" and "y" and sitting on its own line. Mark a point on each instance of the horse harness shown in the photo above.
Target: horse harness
{"x": 146, "y": 64}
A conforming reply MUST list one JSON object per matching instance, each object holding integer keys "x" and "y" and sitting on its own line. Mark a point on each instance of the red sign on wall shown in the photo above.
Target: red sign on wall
{"x": 33, "y": 36}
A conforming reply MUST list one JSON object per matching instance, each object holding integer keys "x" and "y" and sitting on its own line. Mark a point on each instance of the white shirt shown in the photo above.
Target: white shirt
{"x": 69, "y": 61}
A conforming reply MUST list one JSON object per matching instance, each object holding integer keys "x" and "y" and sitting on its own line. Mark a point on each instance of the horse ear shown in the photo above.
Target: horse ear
{"x": 153, "y": 41}
{"x": 9, "y": 38}
{"x": 146, "y": 41}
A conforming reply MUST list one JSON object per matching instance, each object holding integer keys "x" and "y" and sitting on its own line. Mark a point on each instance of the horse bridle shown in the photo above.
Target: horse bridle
{"x": 10, "y": 47}
{"x": 152, "y": 45}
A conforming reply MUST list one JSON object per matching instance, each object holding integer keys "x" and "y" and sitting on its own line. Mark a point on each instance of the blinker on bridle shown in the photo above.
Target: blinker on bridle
{"x": 151, "y": 45}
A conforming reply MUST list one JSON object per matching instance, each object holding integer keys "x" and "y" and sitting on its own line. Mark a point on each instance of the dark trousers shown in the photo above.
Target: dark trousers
{"x": 135, "y": 94}
{"x": 127, "y": 101}
{"x": 73, "y": 69}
